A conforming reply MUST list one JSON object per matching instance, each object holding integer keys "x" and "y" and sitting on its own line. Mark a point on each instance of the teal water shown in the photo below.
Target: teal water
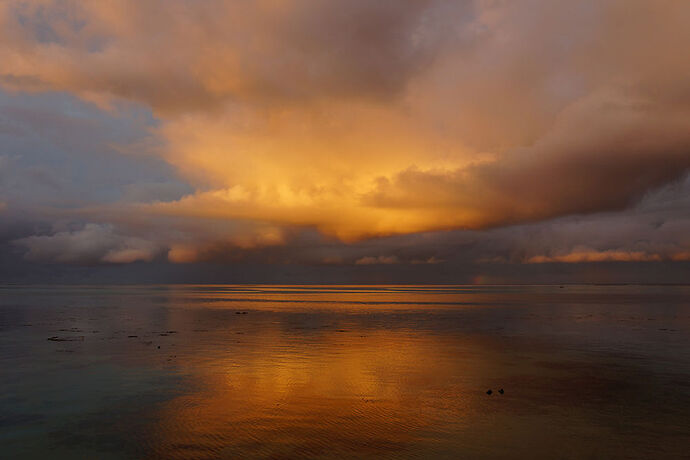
{"x": 205, "y": 372}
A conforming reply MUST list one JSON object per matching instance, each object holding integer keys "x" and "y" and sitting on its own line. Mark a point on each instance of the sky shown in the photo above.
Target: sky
{"x": 307, "y": 141}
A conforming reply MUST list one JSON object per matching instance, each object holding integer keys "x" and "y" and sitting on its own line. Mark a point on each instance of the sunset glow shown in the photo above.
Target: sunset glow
{"x": 344, "y": 229}
{"x": 193, "y": 131}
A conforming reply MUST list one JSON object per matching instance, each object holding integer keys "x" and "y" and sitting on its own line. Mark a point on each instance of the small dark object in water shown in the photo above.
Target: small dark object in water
{"x": 489, "y": 392}
{"x": 238, "y": 312}
{"x": 244, "y": 312}
{"x": 501, "y": 391}
{"x": 66, "y": 339}
{"x": 159, "y": 346}
{"x": 131, "y": 336}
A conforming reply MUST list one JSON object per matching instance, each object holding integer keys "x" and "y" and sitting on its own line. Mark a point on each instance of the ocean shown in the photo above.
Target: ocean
{"x": 280, "y": 372}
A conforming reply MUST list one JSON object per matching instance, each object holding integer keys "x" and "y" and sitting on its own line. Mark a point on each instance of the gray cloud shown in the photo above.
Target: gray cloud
{"x": 91, "y": 244}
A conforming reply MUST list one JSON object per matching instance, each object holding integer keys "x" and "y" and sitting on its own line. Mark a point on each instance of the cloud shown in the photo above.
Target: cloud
{"x": 603, "y": 152}
{"x": 355, "y": 120}
{"x": 385, "y": 260}
{"x": 581, "y": 255}
{"x": 92, "y": 244}
{"x": 223, "y": 51}
{"x": 656, "y": 229}
{"x": 583, "y": 137}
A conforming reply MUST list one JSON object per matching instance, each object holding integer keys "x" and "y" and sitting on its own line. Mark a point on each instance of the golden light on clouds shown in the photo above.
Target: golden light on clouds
{"x": 305, "y": 166}
{"x": 363, "y": 119}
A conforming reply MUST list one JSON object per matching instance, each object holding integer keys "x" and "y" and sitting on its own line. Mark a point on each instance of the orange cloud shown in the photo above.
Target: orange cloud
{"x": 585, "y": 254}
{"x": 580, "y": 256}
{"x": 364, "y": 119}
{"x": 681, "y": 256}
{"x": 353, "y": 182}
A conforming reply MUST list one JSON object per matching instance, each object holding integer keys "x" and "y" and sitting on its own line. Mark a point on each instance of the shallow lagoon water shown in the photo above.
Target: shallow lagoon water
{"x": 206, "y": 372}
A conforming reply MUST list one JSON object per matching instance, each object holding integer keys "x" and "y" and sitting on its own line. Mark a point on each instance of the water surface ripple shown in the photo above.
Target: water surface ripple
{"x": 207, "y": 372}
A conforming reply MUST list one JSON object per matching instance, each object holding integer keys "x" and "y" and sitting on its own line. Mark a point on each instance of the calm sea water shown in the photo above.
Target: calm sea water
{"x": 210, "y": 372}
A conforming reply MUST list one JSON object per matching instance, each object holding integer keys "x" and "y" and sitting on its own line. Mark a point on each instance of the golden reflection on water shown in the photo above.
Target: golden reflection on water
{"x": 385, "y": 372}
{"x": 207, "y": 372}
{"x": 357, "y": 392}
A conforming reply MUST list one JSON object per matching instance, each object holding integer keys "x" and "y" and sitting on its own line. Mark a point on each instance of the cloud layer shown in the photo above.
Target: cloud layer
{"x": 344, "y": 121}
{"x": 92, "y": 244}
